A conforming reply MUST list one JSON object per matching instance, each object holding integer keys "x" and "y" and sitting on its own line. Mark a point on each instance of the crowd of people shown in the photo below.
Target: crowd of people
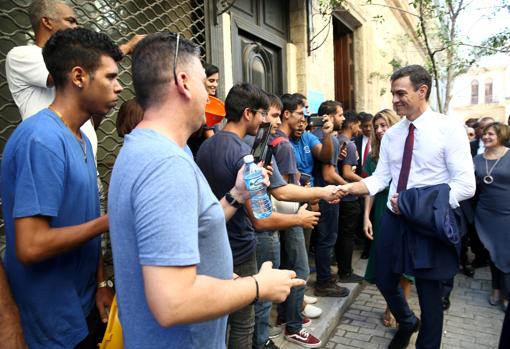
{"x": 193, "y": 266}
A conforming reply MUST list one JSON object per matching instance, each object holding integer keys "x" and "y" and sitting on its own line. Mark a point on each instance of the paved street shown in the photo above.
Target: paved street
{"x": 469, "y": 323}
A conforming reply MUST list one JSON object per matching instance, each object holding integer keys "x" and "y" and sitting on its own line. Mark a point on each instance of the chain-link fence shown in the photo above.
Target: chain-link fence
{"x": 120, "y": 19}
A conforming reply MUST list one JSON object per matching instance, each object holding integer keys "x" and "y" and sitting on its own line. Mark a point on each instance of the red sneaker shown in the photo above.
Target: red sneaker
{"x": 303, "y": 338}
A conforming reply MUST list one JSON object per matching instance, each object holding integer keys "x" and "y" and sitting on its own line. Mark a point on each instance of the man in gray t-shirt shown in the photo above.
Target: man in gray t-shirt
{"x": 172, "y": 260}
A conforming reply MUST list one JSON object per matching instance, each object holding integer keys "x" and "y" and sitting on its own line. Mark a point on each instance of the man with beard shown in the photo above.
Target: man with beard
{"x": 327, "y": 173}
{"x": 429, "y": 157}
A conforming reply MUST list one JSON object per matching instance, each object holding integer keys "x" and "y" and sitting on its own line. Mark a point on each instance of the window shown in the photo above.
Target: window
{"x": 488, "y": 91}
{"x": 474, "y": 92}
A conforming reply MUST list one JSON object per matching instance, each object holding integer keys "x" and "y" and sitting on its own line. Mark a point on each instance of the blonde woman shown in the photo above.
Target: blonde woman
{"x": 376, "y": 205}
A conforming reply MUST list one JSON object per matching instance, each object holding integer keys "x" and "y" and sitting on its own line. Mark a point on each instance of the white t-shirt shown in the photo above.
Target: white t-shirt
{"x": 27, "y": 76}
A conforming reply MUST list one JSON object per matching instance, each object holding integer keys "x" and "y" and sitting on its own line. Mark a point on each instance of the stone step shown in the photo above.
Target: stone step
{"x": 332, "y": 308}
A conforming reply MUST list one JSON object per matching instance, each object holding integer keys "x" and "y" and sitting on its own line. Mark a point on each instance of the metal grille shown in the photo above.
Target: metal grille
{"x": 120, "y": 19}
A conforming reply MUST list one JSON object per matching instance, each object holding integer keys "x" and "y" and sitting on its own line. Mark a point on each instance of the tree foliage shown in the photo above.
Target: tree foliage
{"x": 438, "y": 31}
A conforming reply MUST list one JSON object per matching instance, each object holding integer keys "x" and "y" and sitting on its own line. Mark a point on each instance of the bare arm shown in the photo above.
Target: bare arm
{"x": 367, "y": 224}
{"x": 304, "y": 218}
{"x": 357, "y": 188}
{"x": 291, "y": 192}
{"x": 193, "y": 298}
{"x": 11, "y": 334}
{"x": 104, "y": 295}
{"x": 331, "y": 176}
{"x": 37, "y": 241}
{"x": 129, "y": 46}
{"x": 349, "y": 174}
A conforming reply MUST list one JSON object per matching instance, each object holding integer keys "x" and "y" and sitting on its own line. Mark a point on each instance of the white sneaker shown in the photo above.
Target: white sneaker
{"x": 310, "y": 299}
{"x": 311, "y": 311}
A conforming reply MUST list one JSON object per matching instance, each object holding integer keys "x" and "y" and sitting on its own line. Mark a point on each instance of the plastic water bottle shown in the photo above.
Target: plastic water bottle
{"x": 260, "y": 203}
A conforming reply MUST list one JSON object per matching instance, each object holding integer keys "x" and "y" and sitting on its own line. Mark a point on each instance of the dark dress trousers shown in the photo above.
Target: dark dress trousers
{"x": 422, "y": 242}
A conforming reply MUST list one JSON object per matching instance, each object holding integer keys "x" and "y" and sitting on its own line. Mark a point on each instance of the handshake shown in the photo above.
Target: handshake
{"x": 335, "y": 193}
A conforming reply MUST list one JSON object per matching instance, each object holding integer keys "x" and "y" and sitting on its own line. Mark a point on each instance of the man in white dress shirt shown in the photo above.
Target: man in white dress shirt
{"x": 30, "y": 84}
{"x": 425, "y": 148}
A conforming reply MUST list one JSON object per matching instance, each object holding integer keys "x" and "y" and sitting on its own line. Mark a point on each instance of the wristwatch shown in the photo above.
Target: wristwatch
{"x": 232, "y": 201}
{"x": 106, "y": 283}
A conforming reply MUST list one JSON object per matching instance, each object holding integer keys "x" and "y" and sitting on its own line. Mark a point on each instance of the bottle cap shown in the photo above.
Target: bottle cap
{"x": 248, "y": 158}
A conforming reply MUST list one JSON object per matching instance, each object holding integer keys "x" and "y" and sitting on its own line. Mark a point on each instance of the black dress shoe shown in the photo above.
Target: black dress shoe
{"x": 403, "y": 336}
{"x": 446, "y": 303}
{"x": 468, "y": 270}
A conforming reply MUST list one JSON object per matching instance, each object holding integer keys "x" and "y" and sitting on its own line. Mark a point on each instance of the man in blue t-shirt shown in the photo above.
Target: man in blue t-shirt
{"x": 171, "y": 254}
{"x": 50, "y": 198}
{"x": 308, "y": 147}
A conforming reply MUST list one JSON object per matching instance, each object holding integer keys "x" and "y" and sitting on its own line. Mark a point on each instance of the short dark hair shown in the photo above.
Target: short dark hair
{"x": 328, "y": 107}
{"x": 350, "y": 118}
{"x": 300, "y": 95}
{"x": 210, "y": 69}
{"x": 77, "y": 47}
{"x": 152, "y": 66}
{"x": 274, "y": 101}
{"x": 242, "y": 96}
{"x": 417, "y": 74}
{"x": 291, "y": 102}
{"x": 365, "y": 117}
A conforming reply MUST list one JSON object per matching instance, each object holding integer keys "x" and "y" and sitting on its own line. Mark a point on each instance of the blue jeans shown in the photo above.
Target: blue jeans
{"x": 268, "y": 249}
{"x": 294, "y": 257}
{"x": 327, "y": 230}
{"x": 242, "y": 321}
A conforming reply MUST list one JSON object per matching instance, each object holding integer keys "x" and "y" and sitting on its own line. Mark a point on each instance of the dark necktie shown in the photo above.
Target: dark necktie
{"x": 406, "y": 160}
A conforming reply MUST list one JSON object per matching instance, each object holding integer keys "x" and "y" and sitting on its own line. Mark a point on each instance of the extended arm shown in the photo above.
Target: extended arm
{"x": 291, "y": 192}
{"x": 37, "y": 241}
{"x": 129, "y": 46}
{"x": 193, "y": 298}
{"x": 276, "y": 221}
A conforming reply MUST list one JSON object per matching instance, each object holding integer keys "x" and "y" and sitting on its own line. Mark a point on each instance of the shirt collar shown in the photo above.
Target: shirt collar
{"x": 421, "y": 120}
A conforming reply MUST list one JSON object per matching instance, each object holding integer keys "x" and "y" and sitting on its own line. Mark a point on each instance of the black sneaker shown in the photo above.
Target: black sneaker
{"x": 270, "y": 345}
{"x": 350, "y": 278}
{"x": 330, "y": 289}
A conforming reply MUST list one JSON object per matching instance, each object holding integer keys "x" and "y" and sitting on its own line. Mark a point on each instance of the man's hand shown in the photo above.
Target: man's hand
{"x": 308, "y": 219}
{"x": 394, "y": 204}
{"x": 327, "y": 127}
{"x": 343, "y": 190}
{"x": 331, "y": 194}
{"x": 367, "y": 228}
{"x": 275, "y": 284}
{"x": 104, "y": 299}
{"x": 129, "y": 46}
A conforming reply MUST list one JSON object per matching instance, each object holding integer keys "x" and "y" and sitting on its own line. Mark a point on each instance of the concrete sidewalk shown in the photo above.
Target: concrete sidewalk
{"x": 332, "y": 308}
{"x": 469, "y": 323}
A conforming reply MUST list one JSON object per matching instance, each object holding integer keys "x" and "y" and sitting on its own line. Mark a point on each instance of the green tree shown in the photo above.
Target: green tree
{"x": 438, "y": 30}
